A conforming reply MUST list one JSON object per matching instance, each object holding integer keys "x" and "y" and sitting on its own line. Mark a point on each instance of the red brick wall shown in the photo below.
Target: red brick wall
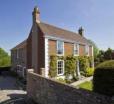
{"x": 52, "y": 47}
{"x": 41, "y": 51}
{"x": 29, "y": 52}
{"x": 81, "y": 50}
{"x": 68, "y": 49}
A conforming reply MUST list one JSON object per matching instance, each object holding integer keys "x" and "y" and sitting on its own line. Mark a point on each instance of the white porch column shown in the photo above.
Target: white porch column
{"x": 46, "y": 58}
{"x": 78, "y": 68}
{"x": 93, "y": 57}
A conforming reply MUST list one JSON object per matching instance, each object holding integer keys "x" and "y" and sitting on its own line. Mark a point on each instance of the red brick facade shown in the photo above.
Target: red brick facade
{"x": 41, "y": 51}
{"x": 68, "y": 48}
{"x": 29, "y": 52}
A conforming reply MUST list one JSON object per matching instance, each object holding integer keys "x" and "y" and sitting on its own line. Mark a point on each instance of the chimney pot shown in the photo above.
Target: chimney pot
{"x": 81, "y": 31}
{"x": 36, "y": 15}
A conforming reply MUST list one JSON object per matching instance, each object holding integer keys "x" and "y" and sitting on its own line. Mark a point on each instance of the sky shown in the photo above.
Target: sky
{"x": 95, "y": 16}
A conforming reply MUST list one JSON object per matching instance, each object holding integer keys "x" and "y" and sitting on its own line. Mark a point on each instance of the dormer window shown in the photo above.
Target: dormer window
{"x": 60, "y": 48}
{"x": 76, "y": 49}
{"x": 87, "y": 50}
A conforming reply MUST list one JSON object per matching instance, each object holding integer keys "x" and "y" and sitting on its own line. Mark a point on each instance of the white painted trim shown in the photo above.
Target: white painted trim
{"x": 78, "y": 49}
{"x": 65, "y": 40}
{"x": 63, "y": 68}
{"x": 92, "y": 51}
{"x": 46, "y": 58}
{"x": 93, "y": 65}
{"x": 87, "y": 50}
{"x": 24, "y": 68}
{"x": 57, "y": 48}
{"x": 78, "y": 68}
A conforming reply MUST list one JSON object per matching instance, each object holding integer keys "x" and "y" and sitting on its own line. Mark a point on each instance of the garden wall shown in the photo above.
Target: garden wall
{"x": 46, "y": 91}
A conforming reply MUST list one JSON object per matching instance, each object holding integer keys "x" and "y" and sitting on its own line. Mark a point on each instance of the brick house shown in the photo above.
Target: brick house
{"x": 46, "y": 40}
{"x": 18, "y": 58}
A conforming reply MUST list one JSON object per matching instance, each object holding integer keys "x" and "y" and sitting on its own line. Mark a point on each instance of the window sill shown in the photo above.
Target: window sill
{"x": 76, "y": 54}
{"x": 58, "y": 75}
{"x": 60, "y": 54}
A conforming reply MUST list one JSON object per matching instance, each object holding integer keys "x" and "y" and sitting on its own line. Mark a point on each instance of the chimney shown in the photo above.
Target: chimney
{"x": 81, "y": 31}
{"x": 36, "y": 15}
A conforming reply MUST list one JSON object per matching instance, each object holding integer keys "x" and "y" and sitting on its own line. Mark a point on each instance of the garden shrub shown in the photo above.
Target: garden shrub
{"x": 61, "y": 80}
{"x": 84, "y": 64}
{"x": 103, "y": 80}
{"x": 89, "y": 72}
{"x": 70, "y": 66}
{"x": 53, "y": 66}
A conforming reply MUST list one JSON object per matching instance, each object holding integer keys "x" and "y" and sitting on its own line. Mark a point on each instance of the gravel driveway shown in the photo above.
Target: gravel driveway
{"x": 8, "y": 89}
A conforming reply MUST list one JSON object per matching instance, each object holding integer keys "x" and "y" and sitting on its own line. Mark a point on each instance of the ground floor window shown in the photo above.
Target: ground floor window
{"x": 60, "y": 67}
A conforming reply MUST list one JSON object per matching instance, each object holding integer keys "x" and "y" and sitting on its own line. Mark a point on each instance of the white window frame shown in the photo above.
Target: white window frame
{"x": 87, "y": 50}
{"x": 77, "y": 49}
{"x": 57, "y": 48}
{"x": 57, "y": 68}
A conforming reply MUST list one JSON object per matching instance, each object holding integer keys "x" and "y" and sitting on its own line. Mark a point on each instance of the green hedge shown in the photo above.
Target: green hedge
{"x": 103, "y": 79}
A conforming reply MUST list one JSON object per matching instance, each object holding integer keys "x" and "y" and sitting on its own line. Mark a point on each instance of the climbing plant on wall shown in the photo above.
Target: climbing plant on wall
{"x": 70, "y": 65}
{"x": 53, "y": 66}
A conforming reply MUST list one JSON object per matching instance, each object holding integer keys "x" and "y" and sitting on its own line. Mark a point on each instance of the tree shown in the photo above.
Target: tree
{"x": 100, "y": 57}
{"x": 4, "y": 58}
{"x": 108, "y": 54}
{"x": 105, "y": 55}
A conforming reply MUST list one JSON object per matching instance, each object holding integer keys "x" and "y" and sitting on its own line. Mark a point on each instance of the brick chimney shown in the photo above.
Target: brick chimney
{"x": 36, "y": 15}
{"x": 81, "y": 31}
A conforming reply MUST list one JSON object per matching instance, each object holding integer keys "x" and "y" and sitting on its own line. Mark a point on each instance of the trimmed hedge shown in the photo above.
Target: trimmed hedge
{"x": 5, "y": 68}
{"x": 103, "y": 79}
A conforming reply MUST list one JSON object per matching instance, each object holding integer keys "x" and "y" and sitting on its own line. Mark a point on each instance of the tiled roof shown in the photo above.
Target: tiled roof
{"x": 62, "y": 33}
{"x": 22, "y": 44}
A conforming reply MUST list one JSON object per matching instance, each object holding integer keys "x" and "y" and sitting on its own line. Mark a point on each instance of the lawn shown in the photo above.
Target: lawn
{"x": 86, "y": 85}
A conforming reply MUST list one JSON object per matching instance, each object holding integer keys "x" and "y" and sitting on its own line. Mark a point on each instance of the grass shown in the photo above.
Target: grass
{"x": 86, "y": 85}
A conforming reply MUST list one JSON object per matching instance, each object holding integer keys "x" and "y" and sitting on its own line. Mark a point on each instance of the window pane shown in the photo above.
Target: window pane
{"x": 75, "y": 49}
{"x": 60, "y": 67}
{"x": 86, "y": 50}
{"x": 60, "y": 47}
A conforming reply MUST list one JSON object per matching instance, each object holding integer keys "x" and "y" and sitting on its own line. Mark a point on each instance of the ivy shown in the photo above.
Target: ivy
{"x": 70, "y": 65}
{"x": 53, "y": 66}
{"x": 83, "y": 63}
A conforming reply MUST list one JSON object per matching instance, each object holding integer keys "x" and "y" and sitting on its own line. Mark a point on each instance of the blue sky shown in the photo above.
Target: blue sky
{"x": 96, "y": 17}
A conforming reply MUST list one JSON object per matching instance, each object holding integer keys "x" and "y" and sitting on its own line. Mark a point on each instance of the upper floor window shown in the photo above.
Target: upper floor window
{"x": 60, "y": 47}
{"x": 76, "y": 49}
{"x": 60, "y": 67}
{"x": 87, "y": 50}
